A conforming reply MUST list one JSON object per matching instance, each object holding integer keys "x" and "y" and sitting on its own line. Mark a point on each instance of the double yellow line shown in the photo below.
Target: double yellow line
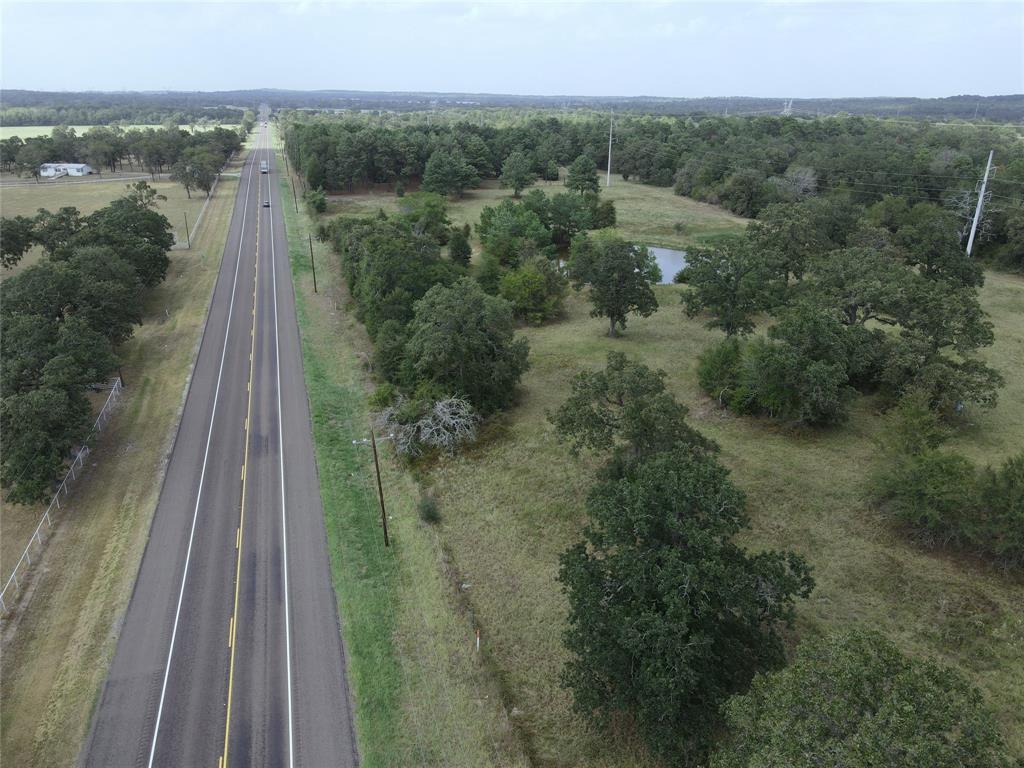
{"x": 222, "y": 762}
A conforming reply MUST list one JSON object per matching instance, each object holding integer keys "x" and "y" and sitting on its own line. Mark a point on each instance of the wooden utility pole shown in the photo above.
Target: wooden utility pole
{"x": 981, "y": 202}
{"x": 312, "y": 262}
{"x": 380, "y": 487}
{"x": 188, "y": 238}
{"x": 294, "y": 198}
{"x": 611, "y": 120}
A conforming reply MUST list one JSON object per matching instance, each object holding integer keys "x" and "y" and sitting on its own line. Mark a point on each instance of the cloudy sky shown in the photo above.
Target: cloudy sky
{"x": 777, "y": 48}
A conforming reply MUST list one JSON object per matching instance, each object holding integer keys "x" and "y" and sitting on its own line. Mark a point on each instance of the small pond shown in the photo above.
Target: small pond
{"x": 669, "y": 260}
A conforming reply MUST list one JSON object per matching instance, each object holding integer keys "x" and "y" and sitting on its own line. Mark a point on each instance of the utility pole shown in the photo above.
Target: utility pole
{"x": 380, "y": 488}
{"x": 611, "y": 120}
{"x": 311, "y": 261}
{"x": 188, "y": 237}
{"x": 981, "y": 202}
{"x": 294, "y": 198}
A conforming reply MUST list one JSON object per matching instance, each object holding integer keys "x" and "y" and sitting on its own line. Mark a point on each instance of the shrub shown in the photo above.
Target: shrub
{"x": 383, "y": 396}
{"x": 459, "y": 249}
{"x": 934, "y": 493}
{"x": 1001, "y": 496}
{"x": 855, "y": 700}
{"x": 718, "y": 369}
{"x": 535, "y": 290}
{"x": 940, "y": 495}
{"x": 429, "y": 510}
{"x": 777, "y": 380}
{"x": 316, "y": 201}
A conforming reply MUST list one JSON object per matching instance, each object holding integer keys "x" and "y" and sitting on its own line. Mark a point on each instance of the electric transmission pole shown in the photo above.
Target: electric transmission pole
{"x": 611, "y": 120}
{"x": 981, "y": 202}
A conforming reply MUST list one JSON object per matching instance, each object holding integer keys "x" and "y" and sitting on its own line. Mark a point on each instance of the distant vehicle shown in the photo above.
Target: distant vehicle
{"x": 264, "y": 168}
{"x": 266, "y": 203}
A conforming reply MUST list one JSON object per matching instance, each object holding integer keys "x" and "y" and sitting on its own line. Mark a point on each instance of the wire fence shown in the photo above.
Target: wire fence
{"x": 36, "y": 541}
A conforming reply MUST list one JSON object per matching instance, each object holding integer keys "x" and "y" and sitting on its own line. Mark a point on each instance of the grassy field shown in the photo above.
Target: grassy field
{"x": 57, "y": 649}
{"x": 513, "y": 504}
{"x": 88, "y": 197}
{"x": 32, "y": 131}
{"x": 422, "y": 695}
{"x": 649, "y": 215}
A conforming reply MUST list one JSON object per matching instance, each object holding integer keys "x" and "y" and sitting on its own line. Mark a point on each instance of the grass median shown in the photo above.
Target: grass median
{"x": 422, "y": 695}
{"x": 58, "y": 646}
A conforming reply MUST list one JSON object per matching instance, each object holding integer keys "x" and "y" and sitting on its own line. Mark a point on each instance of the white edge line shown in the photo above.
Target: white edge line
{"x": 202, "y": 476}
{"x": 284, "y": 527}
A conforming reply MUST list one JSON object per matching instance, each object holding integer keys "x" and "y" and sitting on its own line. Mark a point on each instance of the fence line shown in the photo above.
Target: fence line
{"x": 77, "y": 466}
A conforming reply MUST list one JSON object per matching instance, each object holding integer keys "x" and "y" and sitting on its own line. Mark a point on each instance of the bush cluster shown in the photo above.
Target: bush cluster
{"x": 942, "y": 497}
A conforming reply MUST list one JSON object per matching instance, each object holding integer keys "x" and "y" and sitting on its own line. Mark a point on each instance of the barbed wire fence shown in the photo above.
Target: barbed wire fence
{"x": 19, "y": 576}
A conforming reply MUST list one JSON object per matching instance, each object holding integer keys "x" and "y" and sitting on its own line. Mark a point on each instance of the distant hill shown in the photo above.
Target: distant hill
{"x": 1008, "y": 108}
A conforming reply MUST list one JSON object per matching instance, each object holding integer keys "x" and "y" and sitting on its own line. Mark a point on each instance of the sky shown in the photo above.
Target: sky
{"x": 774, "y": 48}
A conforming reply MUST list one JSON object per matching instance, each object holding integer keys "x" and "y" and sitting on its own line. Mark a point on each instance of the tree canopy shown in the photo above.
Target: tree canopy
{"x": 463, "y": 341}
{"x": 619, "y": 274}
{"x": 667, "y": 616}
{"x": 853, "y": 699}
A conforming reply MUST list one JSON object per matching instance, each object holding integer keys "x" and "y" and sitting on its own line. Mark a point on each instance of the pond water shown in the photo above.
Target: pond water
{"x": 669, "y": 260}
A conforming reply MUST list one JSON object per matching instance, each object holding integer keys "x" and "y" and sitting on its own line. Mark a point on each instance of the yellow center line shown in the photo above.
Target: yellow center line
{"x": 222, "y": 762}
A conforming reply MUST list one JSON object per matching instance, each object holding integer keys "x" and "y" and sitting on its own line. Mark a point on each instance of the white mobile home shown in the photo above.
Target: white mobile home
{"x": 55, "y": 170}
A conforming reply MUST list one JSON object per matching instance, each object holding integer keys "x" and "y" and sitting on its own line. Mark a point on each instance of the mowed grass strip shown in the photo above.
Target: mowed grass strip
{"x": 57, "y": 648}
{"x": 422, "y": 695}
{"x": 515, "y": 502}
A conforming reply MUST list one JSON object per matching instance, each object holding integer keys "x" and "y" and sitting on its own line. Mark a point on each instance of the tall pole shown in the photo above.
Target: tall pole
{"x": 188, "y": 237}
{"x": 608, "y": 180}
{"x": 981, "y": 201}
{"x": 294, "y": 198}
{"x": 380, "y": 487}
{"x": 311, "y": 261}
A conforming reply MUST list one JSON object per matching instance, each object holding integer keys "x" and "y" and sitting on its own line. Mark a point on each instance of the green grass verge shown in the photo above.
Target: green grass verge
{"x": 422, "y": 695}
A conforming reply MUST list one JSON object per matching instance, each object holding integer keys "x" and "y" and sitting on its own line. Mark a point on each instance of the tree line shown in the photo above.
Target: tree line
{"x": 743, "y": 164}
{"x": 95, "y": 114}
{"x": 64, "y": 319}
{"x": 193, "y": 159}
{"x": 446, "y": 350}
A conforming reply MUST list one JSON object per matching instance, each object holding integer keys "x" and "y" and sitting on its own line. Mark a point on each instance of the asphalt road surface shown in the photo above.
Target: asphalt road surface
{"x": 230, "y": 653}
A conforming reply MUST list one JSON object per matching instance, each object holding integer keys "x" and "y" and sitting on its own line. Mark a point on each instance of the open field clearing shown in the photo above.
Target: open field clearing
{"x": 89, "y": 197}
{"x": 422, "y": 695}
{"x": 651, "y": 215}
{"x": 515, "y": 502}
{"x": 56, "y": 649}
{"x": 32, "y": 131}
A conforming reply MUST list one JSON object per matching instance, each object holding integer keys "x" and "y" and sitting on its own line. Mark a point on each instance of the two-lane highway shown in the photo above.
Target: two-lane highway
{"x": 230, "y": 652}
